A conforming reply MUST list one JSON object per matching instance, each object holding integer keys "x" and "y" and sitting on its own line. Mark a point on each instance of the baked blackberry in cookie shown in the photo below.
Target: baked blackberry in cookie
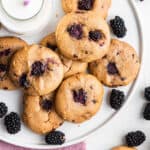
{"x": 83, "y": 36}
{"x": 37, "y": 69}
{"x": 70, "y": 67}
{"x": 98, "y": 6}
{"x": 8, "y": 46}
{"x": 119, "y": 66}
{"x": 39, "y": 113}
{"x": 79, "y": 98}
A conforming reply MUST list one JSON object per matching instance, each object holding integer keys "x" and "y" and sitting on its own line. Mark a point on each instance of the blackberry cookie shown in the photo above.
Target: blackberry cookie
{"x": 37, "y": 69}
{"x": 8, "y": 46}
{"x": 79, "y": 98}
{"x": 39, "y": 113}
{"x": 99, "y": 6}
{"x": 119, "y": 67}
{"x": 123, "y": 148}
{"x": 83, "y": 36}
{"x": 70, "y": 67}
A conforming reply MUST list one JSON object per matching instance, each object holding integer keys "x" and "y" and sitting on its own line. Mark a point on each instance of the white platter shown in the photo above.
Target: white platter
{"x": 75, "y": 133}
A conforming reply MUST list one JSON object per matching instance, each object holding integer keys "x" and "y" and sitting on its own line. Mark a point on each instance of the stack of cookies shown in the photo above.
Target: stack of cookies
{"x": 54, "y": 74}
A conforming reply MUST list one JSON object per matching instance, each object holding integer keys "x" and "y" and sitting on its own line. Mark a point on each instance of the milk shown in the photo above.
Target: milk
{"x": 17, "y": 9}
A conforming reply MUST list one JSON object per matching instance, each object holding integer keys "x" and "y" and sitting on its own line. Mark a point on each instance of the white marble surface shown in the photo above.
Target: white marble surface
{"x": 130, "y": 118}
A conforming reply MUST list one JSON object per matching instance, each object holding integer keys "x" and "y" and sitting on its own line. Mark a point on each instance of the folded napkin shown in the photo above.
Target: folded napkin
{"x": 5, "y": 146}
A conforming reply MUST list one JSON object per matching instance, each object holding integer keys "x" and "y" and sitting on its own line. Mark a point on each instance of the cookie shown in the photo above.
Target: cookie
{"x": 79, "y": 98}
{"x": 37, "y": 69}
{"x": 83, "y": 36}
{"x": 39, "y": 113}
{"x": 123, "y": 148}
{"x": 99, "y": 6}
{"x": 119, "y": 67}
{"x": 8, "y": 46}
{"x": 70, "y": 67}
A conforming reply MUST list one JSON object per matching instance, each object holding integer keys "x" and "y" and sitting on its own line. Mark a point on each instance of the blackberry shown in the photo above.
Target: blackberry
{"x": 95, "y": 35}
{"x": 80, "y": 96}
{"x": 37, "y": 68}
{"x": 55, "y": 138}
{"x": 117, "y": 99}
{"x": 147, "y": 93}
{"x": 112, "y": 68}
{"x": 46, "y": 104}
{"x": 23, "y": 82}
{"x": 75, "y": 31}
{"x": 3, "y": 68}
{"x": 12, "y": 123}
{"x": 135, "y": 138}
{"x": 146, "y": 113}
{"x": 85, "y": 4}
{"x": 3, "y": 109}
{"x": 118, "y": 27}
{"x": 5, "y": 52}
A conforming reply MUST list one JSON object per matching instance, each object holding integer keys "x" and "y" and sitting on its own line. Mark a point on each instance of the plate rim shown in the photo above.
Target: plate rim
{"x": 84, "y": 137}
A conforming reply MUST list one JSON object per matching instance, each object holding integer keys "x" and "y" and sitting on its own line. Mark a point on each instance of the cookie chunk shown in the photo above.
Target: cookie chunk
{"x": 8, "y": 46}
{"x": 119, "y": 67}
{"x": 70, "y": 67}
{"x": 123, "y": 148}
{"x": 37, "y": 69}
{"x": 39, "y": 113}
{"x": 83, "y": 36}
{"x": 79, "y": 98}
{"x": 99, "y": 6}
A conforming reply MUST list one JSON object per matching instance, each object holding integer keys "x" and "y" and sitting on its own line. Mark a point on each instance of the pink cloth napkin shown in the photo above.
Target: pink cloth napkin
{"x": 5, "y": 146}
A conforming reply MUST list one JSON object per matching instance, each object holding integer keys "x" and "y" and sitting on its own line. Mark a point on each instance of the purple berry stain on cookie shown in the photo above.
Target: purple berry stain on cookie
{"x": 46, "y": 105}
{"x": 85, "y": 4}
{"x": 95, "y": 35}
{"x": 38, "y": 68}
{"x": 112, "y": 69}
{"x": 80, "y": 96}
{"x": 75, "y": 31}
{"x": 23, "y": 81}
{"x": 5, "y": 52}
{"x": 3, "y": 68}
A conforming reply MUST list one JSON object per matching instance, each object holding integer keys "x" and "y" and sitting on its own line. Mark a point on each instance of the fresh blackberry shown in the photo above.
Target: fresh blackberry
{"x": 118, "y": 27}
{"x": 146, "y": 113}
{"x": 135, "y": 138}
{"x": 147, "y": 93}
{"x": 13, "y": 123}
{"x": 117, "y": 99}
{"x": 3, "y": 109}
{"x": 55, "y": 138}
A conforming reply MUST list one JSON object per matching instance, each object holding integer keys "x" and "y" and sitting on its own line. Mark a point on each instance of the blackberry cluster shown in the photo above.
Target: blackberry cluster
{"x": 3, "y": 109}
{"x": 135, "y": 138}
{"x": 146, "y": 113}
{"x": 55, "y": 138}
{"x": 117, "y": 99}
{"x": 13, "y": 123}
{"x": 147, "y": 93}
{"x": 118, "y": 27}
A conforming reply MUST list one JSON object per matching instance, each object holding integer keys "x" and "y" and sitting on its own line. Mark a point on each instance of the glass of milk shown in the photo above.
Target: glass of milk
{"x": 22, "y": 9}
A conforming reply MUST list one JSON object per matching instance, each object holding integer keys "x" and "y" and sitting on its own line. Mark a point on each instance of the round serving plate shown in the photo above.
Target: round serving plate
{"x": 75, "y": 132}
